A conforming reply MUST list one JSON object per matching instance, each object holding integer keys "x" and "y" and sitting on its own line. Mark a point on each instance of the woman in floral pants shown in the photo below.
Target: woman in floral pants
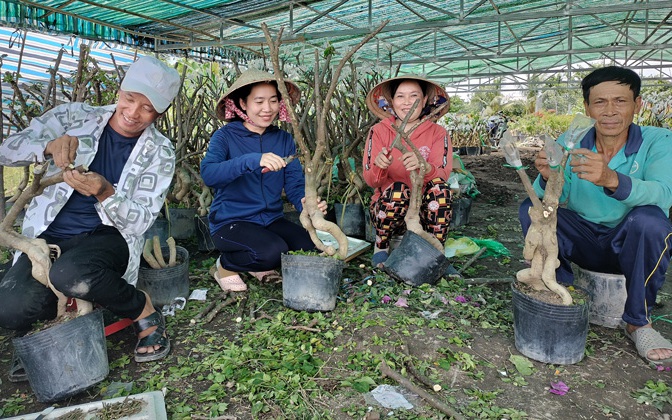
{"x": 387, "y": 169}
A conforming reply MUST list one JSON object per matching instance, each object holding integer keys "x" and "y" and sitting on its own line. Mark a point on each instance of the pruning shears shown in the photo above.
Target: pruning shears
{"x": 287, "y": 159}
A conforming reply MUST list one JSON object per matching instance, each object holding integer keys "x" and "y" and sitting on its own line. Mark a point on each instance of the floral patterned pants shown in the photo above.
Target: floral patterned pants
{"x": 388, "y": 212}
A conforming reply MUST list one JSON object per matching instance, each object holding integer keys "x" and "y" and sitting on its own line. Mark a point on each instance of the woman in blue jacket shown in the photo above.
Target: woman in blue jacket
{"x": 250, "y": 161}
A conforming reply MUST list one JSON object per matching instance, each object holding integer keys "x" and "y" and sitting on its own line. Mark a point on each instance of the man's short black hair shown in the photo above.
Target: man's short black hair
{"x": 611, "y": 74}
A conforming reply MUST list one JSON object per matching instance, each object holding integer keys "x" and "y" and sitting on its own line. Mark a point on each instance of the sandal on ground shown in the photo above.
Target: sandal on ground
{"x": 379, "y": 258}
{"x": 647, "y": 339}
{"x": 268, "y": 277}
{"x": 17, "y": 373}
{"x": 228, "y": 283}
{"x": 157, "y": 337}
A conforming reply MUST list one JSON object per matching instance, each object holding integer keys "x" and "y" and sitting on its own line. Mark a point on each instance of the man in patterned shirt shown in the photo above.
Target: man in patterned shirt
{"x": 96, "y": 218}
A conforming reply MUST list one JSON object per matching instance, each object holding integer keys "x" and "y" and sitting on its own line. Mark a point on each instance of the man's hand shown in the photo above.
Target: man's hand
{"x": 62, "y": 150}
{"x": 593, "y": 167}
{"x": 89, "y": 184}
{"x": 542, "y": 165}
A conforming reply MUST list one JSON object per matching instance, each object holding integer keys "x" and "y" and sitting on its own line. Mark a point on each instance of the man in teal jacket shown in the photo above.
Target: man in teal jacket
{"x": 617, "y": 196}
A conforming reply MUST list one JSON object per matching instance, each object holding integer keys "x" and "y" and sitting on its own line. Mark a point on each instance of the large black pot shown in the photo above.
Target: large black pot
{"x": 415, "y": 261}
{"x": 350, "y": 218}
{"x": 203, "y": 236}
{"x": 65, "y": 359}
{"x": 165, "y": 284}
{"x": 310, "y": 283}
{"x": 549, "y": 333}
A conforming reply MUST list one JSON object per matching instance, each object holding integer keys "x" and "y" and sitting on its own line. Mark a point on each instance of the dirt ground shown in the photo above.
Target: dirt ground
{"x": 600, "y": 386}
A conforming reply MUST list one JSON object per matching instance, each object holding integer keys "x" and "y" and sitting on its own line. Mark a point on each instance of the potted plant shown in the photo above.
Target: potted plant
{"x": 465, "y": 132}
{"x": 312, "y": 158}
{"x": 550, "y": 325}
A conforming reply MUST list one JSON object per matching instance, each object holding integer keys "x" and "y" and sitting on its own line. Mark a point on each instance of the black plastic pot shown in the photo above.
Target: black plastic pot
{"x": 549, "y": 333}
{"x": 310, "y": 283}
{"x": 415, "y": 261}
{"x": 350, "y": 218}
{"x": 369, "y": 230}
{"x": 203, "y": 236}
{"x": 160, "y": 228}
{"x": 64, "y": 360}
{"x": 165, "y": 284}
{"x": 182, "y": 222}
{"x": 473, "y": 150}
{"x": 461, "y": 208}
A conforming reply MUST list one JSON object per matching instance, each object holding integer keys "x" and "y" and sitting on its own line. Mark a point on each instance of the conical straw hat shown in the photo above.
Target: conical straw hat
{"x": 252, "y": 76}
{"x": 379, "y": 99}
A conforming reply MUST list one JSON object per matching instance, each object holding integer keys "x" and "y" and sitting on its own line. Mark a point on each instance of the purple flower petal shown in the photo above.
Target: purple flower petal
{"x": 407, "y": 292}
{"x": 444, "y": 300}
{"x": 460, "y": 299}
{"x": 559, "y": 388}
{"x": 401, "y": 302}
{"x": 386, "y": 299}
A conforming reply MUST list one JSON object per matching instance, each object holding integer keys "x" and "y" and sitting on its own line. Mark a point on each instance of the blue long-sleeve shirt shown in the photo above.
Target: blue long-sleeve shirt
{"x": 242, "y": 192}
{"x": 644, "y": 169}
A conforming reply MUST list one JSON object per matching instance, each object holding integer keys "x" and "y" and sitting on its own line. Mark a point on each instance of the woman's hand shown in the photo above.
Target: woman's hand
{"x": 272, "y": 161}
{"x": 410, "y": 161}
{"x": 383, "y": 159}
{"x": 321, "y": 204}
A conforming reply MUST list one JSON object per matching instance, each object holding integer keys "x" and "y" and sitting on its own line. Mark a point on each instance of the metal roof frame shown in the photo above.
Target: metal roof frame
{"x": 449, "y": 40}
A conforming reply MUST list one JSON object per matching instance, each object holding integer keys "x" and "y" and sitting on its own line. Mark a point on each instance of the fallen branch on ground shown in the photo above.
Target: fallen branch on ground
{"x": 387, "y": 371}
{"x": 471, "y": 260}
{"x": 208, "y": 308}
{"x": 487, "y": 280}
{"x": 209, "y": 317}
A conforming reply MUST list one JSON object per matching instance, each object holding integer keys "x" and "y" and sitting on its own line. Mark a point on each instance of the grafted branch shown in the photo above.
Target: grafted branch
{"x": 311, "y": 217}
{"x": 412, "y": 218}
{"x": 37, "y": 249}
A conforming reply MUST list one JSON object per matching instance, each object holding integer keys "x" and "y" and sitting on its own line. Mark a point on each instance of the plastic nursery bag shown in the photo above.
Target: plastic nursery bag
{"x": 577, "y": 130}
{"x": 554, "y": 152}
{"x": 508, "y": 147}
{"x": 458, "y": 247}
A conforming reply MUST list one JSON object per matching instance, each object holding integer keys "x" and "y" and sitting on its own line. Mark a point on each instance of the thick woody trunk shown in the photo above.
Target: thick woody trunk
{"x": 311, "y": 217}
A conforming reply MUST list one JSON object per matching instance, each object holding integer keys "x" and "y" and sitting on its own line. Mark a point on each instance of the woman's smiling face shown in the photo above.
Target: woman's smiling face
{"x": 261, "y": 106}
{"x": 406, "y": 94}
